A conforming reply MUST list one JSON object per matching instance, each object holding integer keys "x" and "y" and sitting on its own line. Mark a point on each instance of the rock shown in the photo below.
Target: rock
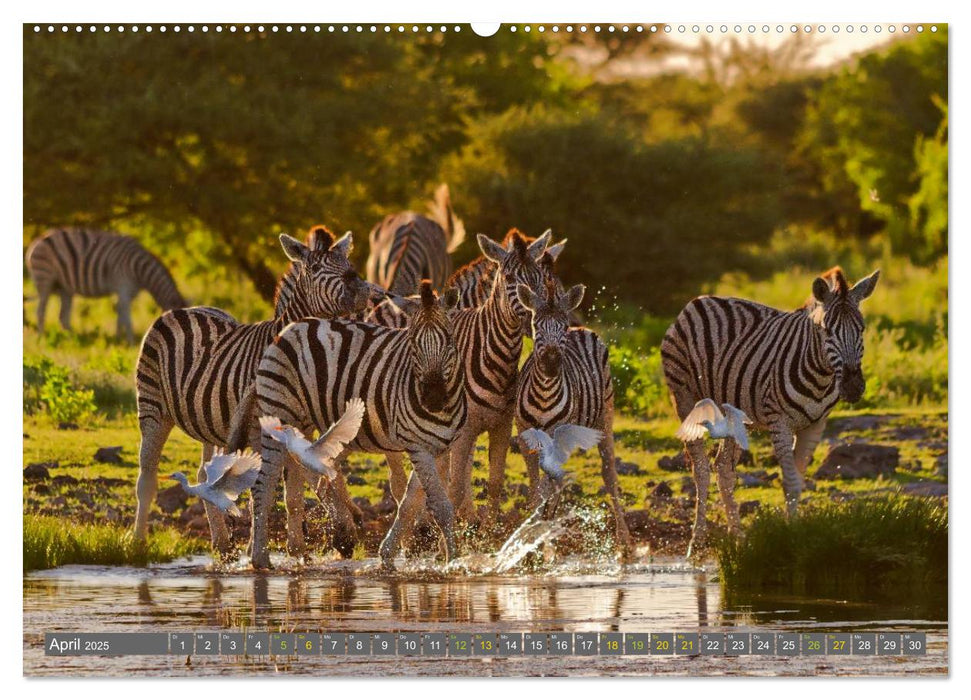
{"x": 199, "y": 524}
{"x": 941, "y": 467}
{"x": 38, "y": 471}
{"x": 64, "y": 480}
{"x": 66, "y": 425}
{"x": 59, "y": 501}
{"x": 756, "y": 479}
{"x": 748, "y": 507}
{"x": 42, "y": 489}
{"x": 171, "y": 499}
{"x": 194, "y": 510}
{"x": 688, "y": 487}
{"x": 929, "y": 489}
{"x": 108, "y": 455}
{"x": 673, "y": 463}
{"x": 356, "y": 480}
{"x": 859, "y": 460}
{"x": 661, "y": 493}
{"x": 626, "y": 468}
{"x": 108, "y": 482}
{"x": 912, "y": 465}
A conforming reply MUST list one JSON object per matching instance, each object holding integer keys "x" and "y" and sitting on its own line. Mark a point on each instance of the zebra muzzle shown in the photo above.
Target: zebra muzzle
{"x": 550, "y": 360}
{"x": 852, "y": 385}
{"x": 433, "y": 392}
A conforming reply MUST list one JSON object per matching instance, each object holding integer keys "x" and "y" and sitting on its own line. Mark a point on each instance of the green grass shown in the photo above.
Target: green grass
{"x": 50, "y": 542}
{"x": 868, "y": 548}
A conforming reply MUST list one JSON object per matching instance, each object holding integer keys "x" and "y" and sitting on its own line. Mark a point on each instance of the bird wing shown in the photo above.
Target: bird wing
{"x": 691, "y": 427}
{"x": 737, "y": 419}
{"x": 569, "y": 437}
{"x": 241, "y": 475}
{"x": 329, "y": 446}
{"x": 536, "y": 440}
{"x": 217, "y": 467}
{"x": 272, "y": 426}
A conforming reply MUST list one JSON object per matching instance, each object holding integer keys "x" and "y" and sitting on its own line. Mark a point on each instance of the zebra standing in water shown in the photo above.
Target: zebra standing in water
{"x": 195, "y": 364}
{"x": 567, "y": 379}
{"x": 785, "y": 370}
{"x": 407, "y": 247}
{"x": 410, "y": 381}
{"x": 73, "y": 261}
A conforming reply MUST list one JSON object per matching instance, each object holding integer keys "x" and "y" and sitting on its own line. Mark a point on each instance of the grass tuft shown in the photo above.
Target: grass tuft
{"x": 50, "y": 542}
{"x": 863, "y": 549}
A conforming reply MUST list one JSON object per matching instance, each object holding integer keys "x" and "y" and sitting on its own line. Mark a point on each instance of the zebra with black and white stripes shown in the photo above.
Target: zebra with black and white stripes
{"x": 69, "y": 261}
{"x": 408, "y": 247}
{"x": 411, "y": 383}
{"x": 195, "y": 364}
{"x": 785, "y": 370}
{"x": 566, "y": 380}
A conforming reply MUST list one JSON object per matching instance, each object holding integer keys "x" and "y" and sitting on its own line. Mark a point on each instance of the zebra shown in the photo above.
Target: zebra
{"x": 70, "y": 261}
{"x": 786, "y": 370}
{"x": 566, "y": 379}
{"x": 411, "y": 382}
{"x": 407, "y": 247}
{"x": 195, "y": 364}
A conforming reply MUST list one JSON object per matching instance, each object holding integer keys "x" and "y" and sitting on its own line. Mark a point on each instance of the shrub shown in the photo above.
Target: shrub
{"x": 639, "y": 386}
{"x": 49, "y": 385}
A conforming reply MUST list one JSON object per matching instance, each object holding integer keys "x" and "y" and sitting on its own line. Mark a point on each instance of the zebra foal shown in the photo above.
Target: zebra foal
{"x": 89, "y": 263}
{"x": 195, "y": 364}
{"x": 566, "y": 380}
{"x": 786, "y": 370}
{"x": 411, "y": 383}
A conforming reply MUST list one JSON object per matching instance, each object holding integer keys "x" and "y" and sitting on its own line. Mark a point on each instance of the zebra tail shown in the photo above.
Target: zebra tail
{"x": 443, "y": 214}
{"x": 242, "y": 421}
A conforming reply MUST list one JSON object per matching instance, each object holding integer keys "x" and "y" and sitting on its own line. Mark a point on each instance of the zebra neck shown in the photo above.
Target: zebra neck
{"x": 815, "y": 354}
{"x": 499, "y": 310}
{"x": 546, "y": 390}
{"x": 159, "y": 283}
{"x": 288, "y": 306}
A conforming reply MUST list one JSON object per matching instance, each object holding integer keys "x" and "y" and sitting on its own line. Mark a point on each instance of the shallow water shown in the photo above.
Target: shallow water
{"x": 575, "y": 596}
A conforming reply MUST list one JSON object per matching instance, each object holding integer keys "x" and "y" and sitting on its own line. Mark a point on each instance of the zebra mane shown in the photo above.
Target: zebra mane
{"x": 836, "y": 280}
{"x": 519, "y": 243}
{"x": 319, "y": 240}
{"x": 427, "y": 294}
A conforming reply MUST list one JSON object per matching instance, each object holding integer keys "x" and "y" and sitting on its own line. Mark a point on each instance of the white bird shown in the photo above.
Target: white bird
{"x": 706, "y": 416}
{"x": 227, "y": 476}
{"x": 318, "y": 456}
{"x": 556, "y": 449}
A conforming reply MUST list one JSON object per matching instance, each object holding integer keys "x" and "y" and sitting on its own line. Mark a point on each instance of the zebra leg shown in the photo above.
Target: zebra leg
{"x": 609, "y": 472}
{"x": 408, "y": 508}
{"x": 728, "y": 455}
{"x": 124, "y": 327}
{"x": 65, "y": 316}
{"x": 460, "y": 474}
{"x": 438, "y": 501}
{"x": 155, "y": 431}
{"x": 293, "y": 490}
{"x": 499, "y": 438}
{"x": 264, "y": 498}
{"x": 218, "y": 532}
{"x": 701, "y": 469}
{"x": 806, "y": 441}
{"x": 43, "y": 295}
{"x": 397, "y": 476}
{"x": 341, "y": 510}
{"x": 535, "y": 478}
{"x": 792, "y": 483}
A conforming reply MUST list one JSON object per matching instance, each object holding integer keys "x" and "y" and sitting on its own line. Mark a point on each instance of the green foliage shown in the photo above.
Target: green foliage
{"x": 635, "y": 213}
{"x": 639, "y": 387}
{"x": 897, "y": 545}
{"x": 51, "y": 542}
{"x": 50, "y": 386}
{"x": 928, "y": 205}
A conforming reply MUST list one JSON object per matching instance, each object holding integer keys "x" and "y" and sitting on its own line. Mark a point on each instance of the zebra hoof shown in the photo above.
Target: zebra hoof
{"x": 344, "y": 541}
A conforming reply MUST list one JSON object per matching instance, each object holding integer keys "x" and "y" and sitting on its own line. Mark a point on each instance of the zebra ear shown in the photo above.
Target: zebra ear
{"x": 492, "y": 250}
{"x": 526, "y": 296}
{"x": 538, "y": 247}
{"x": 821, "y": 290}
{"x": 294, "y": 249}
{"x": 575, "y": 296}
{"x": 864, "y": 288}
{"x": 450, "y": 298}
{"x": 344, "y": 245}
{"x": 554, "y": 250}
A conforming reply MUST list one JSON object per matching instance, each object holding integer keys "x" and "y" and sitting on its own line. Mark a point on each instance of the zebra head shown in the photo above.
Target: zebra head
{"x": 551, "y": 314}
{"x": 835, "y": 309}
{"x": 434, "y": 357}
{"x": 518, "y": 262}
{"x": 321, "y": 281}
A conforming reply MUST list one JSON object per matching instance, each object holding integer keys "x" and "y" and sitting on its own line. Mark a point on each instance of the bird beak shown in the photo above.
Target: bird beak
{"x": 170, "y": 477}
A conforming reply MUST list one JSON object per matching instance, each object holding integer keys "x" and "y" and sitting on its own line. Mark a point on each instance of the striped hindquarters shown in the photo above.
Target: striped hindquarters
{"x": 315, "y": 366}
{"x": 96, "y": 263}
{"x": 405, "y": 249}
{"x": 193, "y": 368}
{"x": 578, "y": 394}
{"x": 767, "y": 362}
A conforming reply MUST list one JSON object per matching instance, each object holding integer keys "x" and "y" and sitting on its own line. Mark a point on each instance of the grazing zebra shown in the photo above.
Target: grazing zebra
{"x": 407, "y": 247}
{"x": 785, "y": 370}
{"x": 73, "y": 261}
{"x": 195, "y": 364}
{"x": 411, "y": 383}
{"x": 566, "y": 380}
